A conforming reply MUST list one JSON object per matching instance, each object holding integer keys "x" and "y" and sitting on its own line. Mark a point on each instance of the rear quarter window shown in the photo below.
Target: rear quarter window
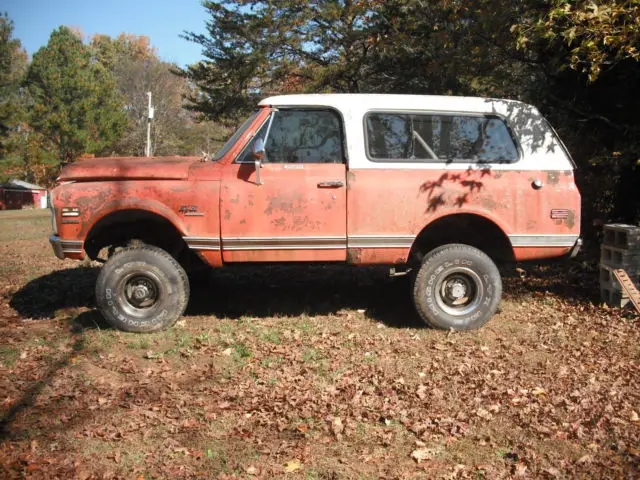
{"x": 435, "y": 137}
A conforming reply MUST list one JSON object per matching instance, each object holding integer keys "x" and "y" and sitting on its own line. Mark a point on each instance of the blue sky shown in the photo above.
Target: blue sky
{"x": 160, "y": 20}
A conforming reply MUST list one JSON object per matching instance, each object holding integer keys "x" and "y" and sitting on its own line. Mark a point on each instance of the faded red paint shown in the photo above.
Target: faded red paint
{"x": 133, "y": 168}
{"x": 231, "y": 205}
{"x": 275, "y": 209}
{"x": 406, "y": 201}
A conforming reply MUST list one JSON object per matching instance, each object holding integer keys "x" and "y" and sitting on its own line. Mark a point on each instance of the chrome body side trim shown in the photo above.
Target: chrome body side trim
{"x": 202, "y": 243}
{"x": 352, "y": 241}
{"x": 381, "y": 241}
{"x": 284, "y": 243}
{"x": 550, "y": 240}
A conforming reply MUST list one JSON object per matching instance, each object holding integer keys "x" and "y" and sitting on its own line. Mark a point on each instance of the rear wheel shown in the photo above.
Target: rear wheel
{"x": 142, "y": 289}
{"x": 457, "y": 287}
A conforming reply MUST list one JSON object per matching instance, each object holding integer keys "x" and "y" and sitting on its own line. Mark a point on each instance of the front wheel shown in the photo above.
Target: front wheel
{"x": 142, "y": 289}
{"x": 458, "y": 287}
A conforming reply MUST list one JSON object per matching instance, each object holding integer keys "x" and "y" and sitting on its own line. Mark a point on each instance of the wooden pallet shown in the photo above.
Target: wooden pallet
{"x": 628, "y": 286}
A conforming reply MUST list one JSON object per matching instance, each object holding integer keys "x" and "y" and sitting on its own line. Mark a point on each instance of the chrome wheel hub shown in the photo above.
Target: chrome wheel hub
{"x": 141, "y": 292}
{"x": 459, "y": 291}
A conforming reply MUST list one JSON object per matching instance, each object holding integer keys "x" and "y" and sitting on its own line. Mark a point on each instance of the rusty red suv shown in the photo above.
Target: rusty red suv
{"x": 443, "y": 187}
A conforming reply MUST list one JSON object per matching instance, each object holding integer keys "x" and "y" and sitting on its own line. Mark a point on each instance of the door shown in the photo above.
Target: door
{"x": 297, "y": 211}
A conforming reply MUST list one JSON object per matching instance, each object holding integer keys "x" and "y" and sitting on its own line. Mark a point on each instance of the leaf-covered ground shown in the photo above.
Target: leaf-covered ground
{"x": 310, "y": 373}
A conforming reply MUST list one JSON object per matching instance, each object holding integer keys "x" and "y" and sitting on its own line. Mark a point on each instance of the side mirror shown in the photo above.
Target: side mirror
{"x": 258, "y": 156}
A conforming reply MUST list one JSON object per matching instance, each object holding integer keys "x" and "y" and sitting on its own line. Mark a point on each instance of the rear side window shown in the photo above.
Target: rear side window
{"x": 400, "y": 137}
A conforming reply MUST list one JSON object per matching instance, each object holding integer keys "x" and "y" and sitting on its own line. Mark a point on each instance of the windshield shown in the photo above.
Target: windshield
{"x": 234, "y": 138}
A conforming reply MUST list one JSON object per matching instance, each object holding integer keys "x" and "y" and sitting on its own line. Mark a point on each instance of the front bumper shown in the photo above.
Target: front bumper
{"x": 66, "y": 248}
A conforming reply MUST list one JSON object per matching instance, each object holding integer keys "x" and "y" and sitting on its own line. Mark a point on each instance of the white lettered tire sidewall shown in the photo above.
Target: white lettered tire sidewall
{"x": 158, "y": 267}
{"x": 440, "y": 263}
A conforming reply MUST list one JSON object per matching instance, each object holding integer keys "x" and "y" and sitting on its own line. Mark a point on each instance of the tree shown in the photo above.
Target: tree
{"x": 75, "y": 105}
{"x": 13, "y": 63}
{"x": 255, "y": 48}
{"x": 137, "y": 70}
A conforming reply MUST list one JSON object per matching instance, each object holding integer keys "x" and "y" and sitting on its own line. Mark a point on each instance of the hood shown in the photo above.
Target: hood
{"x": 128, "y": 168}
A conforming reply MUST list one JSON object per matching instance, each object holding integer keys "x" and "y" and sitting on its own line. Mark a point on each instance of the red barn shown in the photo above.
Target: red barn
{"x": 16, "y": 194}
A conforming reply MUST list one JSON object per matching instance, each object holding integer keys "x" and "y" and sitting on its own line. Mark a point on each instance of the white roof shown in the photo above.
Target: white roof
{"x": 540, "y": 148}
{"x": 353, "y": 102}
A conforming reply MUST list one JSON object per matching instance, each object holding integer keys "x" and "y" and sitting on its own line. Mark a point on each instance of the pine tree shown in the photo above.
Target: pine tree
{"x": 75, "y": 103}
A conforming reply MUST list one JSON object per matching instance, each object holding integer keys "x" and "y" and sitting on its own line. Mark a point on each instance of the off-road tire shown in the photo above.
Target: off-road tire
{"x": 457, "y": 273}
{"x": 142, "y": 289}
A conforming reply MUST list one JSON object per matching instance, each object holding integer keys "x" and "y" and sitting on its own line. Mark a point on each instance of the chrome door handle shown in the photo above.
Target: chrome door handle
{"x": 333, "y": 184}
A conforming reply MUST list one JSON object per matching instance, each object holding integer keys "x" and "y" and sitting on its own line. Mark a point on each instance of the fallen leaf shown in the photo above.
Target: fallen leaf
{"x": 585, "y": 459}
{"x": 292, "y": 466}
{"x": 421, "y": 392}
{"x": 252, "y": 470}
{"x": 520, "y": 470}
{"x": 482, "y": 413}
{"x": 336, "y": 426}
{"x": 420, "y": 454}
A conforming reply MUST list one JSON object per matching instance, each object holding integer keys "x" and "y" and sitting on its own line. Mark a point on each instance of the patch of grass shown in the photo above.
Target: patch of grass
{"x": 141, "y": 342}
{"x": 218, "y": 457}
{"x": 271, "y": 336}
{"x": 131, "y": 459}
{"x": 203, "y": 338}
{"x": 106, "y": 339}
{"x": 227, "y": 327}
{"x": 242, "y": 350}
{"x": 370, "y": 357}
{"x": 271, "y": 361}
{"x": 183, "y": 344}
{"x": 311, "y": 355}
{"x": 9, "y": 356}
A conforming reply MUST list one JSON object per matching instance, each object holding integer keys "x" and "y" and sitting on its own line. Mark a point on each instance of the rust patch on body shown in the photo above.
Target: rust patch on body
{"x": 289, "y": 206}
{"x": 354, "y": 255}
{"x": 553, "y": 178}
{"x": 571, "y": 219}
{"x": 351, "y": 178}
{"x": 227, "y": 214}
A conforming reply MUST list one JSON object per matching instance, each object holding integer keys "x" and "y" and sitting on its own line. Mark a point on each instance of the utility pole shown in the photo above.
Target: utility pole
{"x": 147, "y": 150}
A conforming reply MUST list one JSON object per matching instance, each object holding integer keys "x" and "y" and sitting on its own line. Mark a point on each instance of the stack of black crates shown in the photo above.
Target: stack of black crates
{"x": 620, "y": 249}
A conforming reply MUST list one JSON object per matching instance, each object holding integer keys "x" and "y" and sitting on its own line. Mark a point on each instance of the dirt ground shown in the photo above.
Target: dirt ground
{"x": 310, "y": 373}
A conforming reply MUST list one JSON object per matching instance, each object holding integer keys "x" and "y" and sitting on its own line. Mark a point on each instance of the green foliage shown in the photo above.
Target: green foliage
{"x": 596, "y": 35}
{"x": 13, "y": 62}
{"x": 254, "y": 48}
{"x": 137, "y": 69}
{"x": 74, "y": 101}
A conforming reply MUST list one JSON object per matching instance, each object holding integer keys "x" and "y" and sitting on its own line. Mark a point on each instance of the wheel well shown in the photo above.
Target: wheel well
{"x": 118, "y": 229}
{"x": 468, "y": 229}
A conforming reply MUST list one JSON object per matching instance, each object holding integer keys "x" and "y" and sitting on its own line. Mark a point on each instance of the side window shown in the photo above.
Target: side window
{"x": 299, "y": 136}
{"x": 389, "y": 136}
{"x": 437, "y": 138}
